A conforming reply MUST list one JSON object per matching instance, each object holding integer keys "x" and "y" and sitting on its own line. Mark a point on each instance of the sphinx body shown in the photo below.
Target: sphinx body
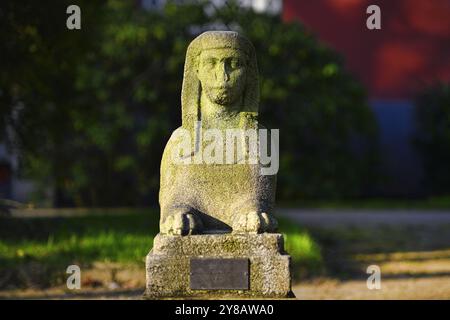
{"x": 220, "y": 92}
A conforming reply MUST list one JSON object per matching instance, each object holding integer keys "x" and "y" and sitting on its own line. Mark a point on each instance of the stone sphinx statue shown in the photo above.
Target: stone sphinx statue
{"x": 217, "y": 235}
{"x": 220, "y": 92}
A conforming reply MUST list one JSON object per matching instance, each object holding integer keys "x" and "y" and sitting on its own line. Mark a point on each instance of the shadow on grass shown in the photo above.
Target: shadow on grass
{"x": 400, "y": 251}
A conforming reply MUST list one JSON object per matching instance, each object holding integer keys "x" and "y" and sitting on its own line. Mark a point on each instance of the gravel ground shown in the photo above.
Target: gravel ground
{"x": 325, "y": 289}
{"x": 328, "y": 218}
{"x": 403, "y": 289}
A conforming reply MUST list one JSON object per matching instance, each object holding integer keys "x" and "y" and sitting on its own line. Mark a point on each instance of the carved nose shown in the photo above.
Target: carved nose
{"x": 222, "y": 73}
{"x": 226, "y": 77}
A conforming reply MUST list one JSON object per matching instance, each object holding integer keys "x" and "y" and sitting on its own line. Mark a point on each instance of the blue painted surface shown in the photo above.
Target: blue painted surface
{"x": 401, "y": 163}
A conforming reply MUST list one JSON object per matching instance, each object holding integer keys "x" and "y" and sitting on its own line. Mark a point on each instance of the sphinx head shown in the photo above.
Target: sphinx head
{"x": 222, "y": 75}
{"x": 221, "y": 67}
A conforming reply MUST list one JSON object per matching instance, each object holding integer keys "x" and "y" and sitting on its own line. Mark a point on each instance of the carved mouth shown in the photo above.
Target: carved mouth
{"x": 222, "y": 88}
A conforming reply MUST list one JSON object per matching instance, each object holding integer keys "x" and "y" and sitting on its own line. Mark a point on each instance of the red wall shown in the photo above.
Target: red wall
{"x": 411, "y": 49}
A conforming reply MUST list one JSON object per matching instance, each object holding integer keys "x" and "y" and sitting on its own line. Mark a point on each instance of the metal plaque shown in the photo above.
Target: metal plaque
{"x": 219, "y": 273}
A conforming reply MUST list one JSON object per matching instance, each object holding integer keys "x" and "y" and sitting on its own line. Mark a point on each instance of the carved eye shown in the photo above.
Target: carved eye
{"x": 209, "y": 63}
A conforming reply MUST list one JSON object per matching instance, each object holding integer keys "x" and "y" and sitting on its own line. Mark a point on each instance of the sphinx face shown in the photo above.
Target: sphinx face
{"x": 222, "y": 74}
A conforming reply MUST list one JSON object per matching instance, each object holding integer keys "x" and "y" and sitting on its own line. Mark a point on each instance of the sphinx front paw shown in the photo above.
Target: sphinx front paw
{"x": 254, "y": 222}
{"x": 181, "y": 223}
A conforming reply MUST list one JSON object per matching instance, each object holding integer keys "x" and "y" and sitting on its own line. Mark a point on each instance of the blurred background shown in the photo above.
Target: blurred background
{"x": 364, "y": 119}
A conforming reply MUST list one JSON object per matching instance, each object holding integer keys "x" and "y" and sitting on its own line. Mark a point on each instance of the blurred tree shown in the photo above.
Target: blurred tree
{"x": 433, "y": 136}
{"x": 37, "y": 72}
{"x": 91, "y": 110}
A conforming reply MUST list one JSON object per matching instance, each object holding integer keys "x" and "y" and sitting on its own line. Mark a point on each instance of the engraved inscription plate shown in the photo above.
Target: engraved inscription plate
{"x": 219, "y": 273}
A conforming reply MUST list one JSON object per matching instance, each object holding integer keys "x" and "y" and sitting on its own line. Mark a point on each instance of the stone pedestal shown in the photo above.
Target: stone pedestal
{"x": 218, "y": 266}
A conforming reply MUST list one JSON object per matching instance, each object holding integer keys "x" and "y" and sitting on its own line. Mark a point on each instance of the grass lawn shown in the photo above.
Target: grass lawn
{"x": 110, "y": 248}
{"x": 36, "y": 251}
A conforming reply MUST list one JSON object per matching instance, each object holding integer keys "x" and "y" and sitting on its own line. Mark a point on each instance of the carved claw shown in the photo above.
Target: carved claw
{"x": 253, "y": 222}
{"x": 181, "y": 223}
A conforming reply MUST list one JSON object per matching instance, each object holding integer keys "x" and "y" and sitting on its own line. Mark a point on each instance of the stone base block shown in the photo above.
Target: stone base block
{"x": 171, "y": 272}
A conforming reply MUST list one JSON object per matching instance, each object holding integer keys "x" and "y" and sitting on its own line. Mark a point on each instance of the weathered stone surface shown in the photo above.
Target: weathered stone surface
{"x": 221, "y": 92}
{"x": 213, "y": 209}
{"x": 168, "y": 265}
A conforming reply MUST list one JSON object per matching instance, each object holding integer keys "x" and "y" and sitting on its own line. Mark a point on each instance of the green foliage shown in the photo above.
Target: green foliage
{"x": 91, "y": 110}
{"x": 433, "y": 136}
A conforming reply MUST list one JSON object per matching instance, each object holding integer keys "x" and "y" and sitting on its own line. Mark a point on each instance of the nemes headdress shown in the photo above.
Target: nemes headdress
{"x": 191, "y": 90}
